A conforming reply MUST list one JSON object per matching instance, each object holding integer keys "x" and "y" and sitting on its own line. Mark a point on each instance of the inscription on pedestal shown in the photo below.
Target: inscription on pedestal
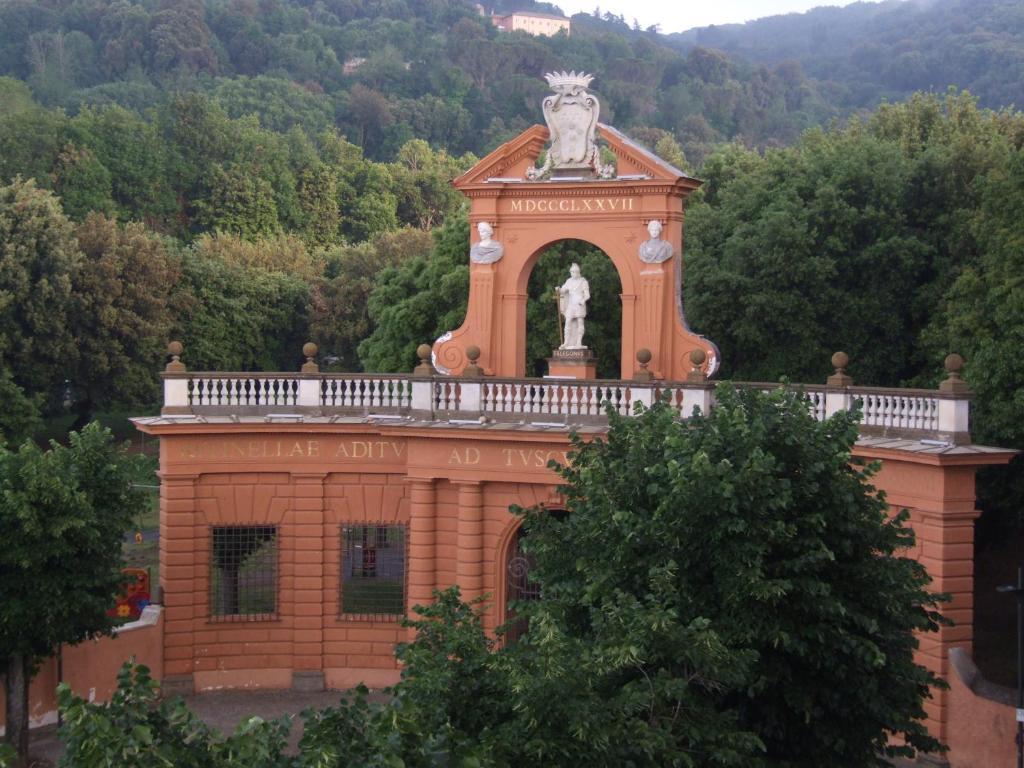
{"x": 568, "y": 355}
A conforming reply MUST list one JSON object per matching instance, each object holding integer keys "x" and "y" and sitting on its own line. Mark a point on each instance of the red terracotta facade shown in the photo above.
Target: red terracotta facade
{"x": 448, "y": 481}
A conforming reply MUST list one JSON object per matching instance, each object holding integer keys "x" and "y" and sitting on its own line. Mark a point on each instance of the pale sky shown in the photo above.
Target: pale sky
{"x": 679, "y": 15}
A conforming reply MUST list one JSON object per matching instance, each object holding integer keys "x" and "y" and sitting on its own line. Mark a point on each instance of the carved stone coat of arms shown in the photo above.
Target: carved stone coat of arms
{"x": 571, "y": 114}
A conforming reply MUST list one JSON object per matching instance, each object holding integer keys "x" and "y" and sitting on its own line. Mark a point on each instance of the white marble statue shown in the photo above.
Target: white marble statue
{"x": 487, "y": 251}
{"x": 573, "y": 296}
{"x": 655, "y": 250}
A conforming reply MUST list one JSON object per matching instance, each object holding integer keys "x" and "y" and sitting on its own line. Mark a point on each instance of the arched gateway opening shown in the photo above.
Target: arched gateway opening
{"x": 604, "y": 317}
{"x": 520, "y": 588}
{"x": 632, "y": 211}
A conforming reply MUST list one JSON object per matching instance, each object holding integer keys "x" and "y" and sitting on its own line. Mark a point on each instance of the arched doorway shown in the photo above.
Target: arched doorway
{"x": 604, "y": 310}
{"x": 520, "y": 588}
{"x": 524, "y": 216}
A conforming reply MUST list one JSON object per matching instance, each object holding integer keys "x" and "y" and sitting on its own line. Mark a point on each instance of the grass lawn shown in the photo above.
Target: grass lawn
{"x": 374, "y": 596}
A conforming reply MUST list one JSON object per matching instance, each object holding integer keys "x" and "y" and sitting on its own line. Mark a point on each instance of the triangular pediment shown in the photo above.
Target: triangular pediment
{"x": 633, "y": 159}
{"x": 512, "y": 159}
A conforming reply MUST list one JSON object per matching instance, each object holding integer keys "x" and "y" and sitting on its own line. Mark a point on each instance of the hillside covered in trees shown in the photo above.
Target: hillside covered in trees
{"x": 865, "y": 52}
{"x": 384, "y": 71}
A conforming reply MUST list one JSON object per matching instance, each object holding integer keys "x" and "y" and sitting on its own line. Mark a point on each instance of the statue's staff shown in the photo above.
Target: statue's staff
{"x": 558, "y": 316}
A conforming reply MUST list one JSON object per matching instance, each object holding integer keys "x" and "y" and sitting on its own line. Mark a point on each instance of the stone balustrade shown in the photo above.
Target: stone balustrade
{"x": 932, "y": 415}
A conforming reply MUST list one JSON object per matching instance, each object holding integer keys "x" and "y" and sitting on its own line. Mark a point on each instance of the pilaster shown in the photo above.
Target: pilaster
{"x": 422, "y": 533}
{"x": 941, "y": 497}
{"x": 469, "y": 568}
{"x": 179, "y": 541}
{"x": 307, "y": 519}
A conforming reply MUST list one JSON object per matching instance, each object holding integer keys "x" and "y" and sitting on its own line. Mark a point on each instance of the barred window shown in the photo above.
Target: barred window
{"x": 373, "y": 570}
{"x": 243, "y": 573}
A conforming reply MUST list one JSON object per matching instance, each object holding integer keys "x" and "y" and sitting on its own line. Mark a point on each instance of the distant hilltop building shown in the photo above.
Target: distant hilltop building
{"x": 533, "y": 23}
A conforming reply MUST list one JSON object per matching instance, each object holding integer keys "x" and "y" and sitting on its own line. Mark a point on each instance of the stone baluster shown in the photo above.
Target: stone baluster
{"x": 309, "y": 385}
{"x": 175, "y": 387}
{"x": 642, "y": 387}
{"x": 471, "y": 400}
{"x": 837, "y": 394}
{"x": 699, "y": 392}
{"x": 423, "y": 384}
{"x": 954, "y": 403}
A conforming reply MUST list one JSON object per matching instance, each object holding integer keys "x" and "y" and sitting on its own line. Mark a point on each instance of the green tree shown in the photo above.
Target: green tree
{"x": 239, "y": 202}
{"x": 138, "y": 728}
{"x": 339, "y": 316}
{"x": 236, "y": 318}
{"x": 64, "y": 512}
{"x": 131, "y": 148}
{"x": 418, "y": 300}
{"x": 285, "y": 254}
{"x": 19, "y": 414}
{"x": 179, "y": 39}
{"x": 121, "y": 314}
{"x": 83, "y": 183}
{"x": 983, "y": 314}
{"x": 38, "y": 255}
{"x": 30, "y": 135}
{"x": 279, "y": 104}
{"x": 749, "y": 528}
{"x": 423, "y": 179}
{"x": 850, "y": 236}
{"x": 319, "y": 202}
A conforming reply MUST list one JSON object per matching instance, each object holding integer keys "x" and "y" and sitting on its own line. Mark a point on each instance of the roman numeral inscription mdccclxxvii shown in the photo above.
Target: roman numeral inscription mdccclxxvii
{"x": 575, "y": 205}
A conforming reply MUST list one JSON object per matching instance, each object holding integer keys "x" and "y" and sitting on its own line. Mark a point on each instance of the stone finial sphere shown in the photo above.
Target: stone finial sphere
{"x": 643, "y": 356}
{"x": 309, "y": 349}
{"x": 175, "y": 348}
{"x": 423, "y": 352}
{"x": 472, "y": 352}
{"x": 953, "y": 363}
{"x": 840, "y": 360}
{"x": 698, "y": 356}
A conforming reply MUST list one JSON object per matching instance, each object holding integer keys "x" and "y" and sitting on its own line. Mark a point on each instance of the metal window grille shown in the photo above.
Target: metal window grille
{"x": 243, "y": 573}
{"x": 373, "y": 571}
{"x": 520, "y": 588}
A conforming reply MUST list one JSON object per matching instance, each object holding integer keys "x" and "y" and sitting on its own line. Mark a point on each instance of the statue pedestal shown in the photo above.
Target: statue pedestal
{"x": 573, "y": 363}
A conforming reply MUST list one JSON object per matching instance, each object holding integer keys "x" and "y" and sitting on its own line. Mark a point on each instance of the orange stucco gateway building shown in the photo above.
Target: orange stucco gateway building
{"x": 302, "y": 514}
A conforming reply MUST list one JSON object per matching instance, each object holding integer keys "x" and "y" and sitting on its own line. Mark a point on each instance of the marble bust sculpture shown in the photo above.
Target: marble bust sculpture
{"x": 573, "y": 296}
{"x": 655, "y": 250}
{"x": 486, "y": 251}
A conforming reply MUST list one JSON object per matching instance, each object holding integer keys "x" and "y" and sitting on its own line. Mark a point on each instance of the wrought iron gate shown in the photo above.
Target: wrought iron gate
{"x": 520, "y": 588}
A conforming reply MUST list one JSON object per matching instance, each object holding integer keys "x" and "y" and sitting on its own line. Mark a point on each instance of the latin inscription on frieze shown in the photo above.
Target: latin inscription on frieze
{"x": 287, "y": 449}
{"x": 515, "y": 458}
{"x": 331, "y": 450}
{"x": 575, "y": 205}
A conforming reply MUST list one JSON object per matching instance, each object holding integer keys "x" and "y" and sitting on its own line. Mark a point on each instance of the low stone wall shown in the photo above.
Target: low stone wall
{"x": 90, "y": 668}
{"x": 982, "y": 723}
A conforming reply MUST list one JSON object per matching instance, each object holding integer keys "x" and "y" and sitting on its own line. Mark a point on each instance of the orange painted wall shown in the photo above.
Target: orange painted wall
{"x": 90, "y": 668}
{"x": 981, "y": 730}
{"x": 940, "y": 495}
{"x": 452, "y": 487}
